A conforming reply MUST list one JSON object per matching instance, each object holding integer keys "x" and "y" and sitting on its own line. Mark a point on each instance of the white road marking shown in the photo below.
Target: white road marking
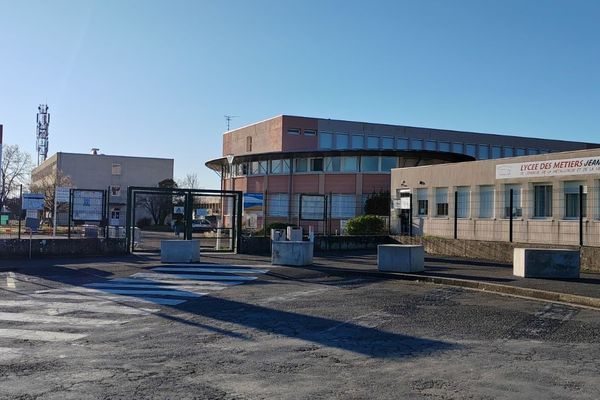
{"x": 51, "y": 319}
{"x": 9, "y": 353}
{"x": 213, "y": 270}
{"x": 62, "y": 307}
{"x": 172, "y": 293}
{"x": 212, "y": 284}
{"x": 146, "y": 285}
{"x": 45, "y": 336}
{"x": 102, "y": 298}
{"x": 233, "y": 278}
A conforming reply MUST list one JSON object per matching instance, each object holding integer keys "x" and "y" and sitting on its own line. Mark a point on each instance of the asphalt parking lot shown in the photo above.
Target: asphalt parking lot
{"x": 235, "y": 328}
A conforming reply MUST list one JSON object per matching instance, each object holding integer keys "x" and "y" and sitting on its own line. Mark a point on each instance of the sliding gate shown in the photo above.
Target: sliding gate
{"x": 213, "y": 217}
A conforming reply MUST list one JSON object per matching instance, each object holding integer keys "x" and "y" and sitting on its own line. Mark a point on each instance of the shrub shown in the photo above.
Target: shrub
{"x": 365, "y": 225}
{"x": 143, "y": 222}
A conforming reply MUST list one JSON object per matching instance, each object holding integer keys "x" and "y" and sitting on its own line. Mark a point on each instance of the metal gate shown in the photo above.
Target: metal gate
{"x": 213, "y": 217}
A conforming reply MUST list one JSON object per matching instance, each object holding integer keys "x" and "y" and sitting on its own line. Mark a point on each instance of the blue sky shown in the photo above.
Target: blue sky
{"x": 155, "y": 78}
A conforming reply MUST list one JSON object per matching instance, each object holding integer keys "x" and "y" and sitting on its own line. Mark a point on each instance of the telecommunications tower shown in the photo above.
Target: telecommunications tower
{"x": 43, "y": 121}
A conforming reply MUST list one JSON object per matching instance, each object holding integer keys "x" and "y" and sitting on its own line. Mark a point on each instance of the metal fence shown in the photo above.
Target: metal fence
{"x": 326, "y": 214}
{"x": 535, "y": 213}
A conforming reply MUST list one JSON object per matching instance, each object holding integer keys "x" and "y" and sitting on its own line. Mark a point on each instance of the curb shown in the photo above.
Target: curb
{"x": 535, "y": 294}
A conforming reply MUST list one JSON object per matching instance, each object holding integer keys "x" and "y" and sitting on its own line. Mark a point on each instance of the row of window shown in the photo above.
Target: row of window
{"x": 316, "y": 165}
{"x": 344, "y": 141}
{"x": 341, "y": 206}
{"x": 542, "y": 201}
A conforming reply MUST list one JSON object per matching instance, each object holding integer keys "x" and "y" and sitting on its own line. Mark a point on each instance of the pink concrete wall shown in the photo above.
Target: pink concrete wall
{"x": 299, "y": 142}
{"x": 278, "y": 184}
{"x": 255, "y": 184}
{"x": 266, "y": 137}
{"x": 340, "y": 183}
{"x": 306, "y": 183}
{"x": 376, "y": 183}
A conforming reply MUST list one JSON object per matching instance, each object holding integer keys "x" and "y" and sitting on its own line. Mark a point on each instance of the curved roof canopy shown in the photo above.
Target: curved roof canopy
{"x": 412, "y": 158}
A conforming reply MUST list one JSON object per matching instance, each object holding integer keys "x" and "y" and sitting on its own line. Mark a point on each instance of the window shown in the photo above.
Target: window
{"x": 416, "y": 144}
{"x": 325, "y": 140}
{"x": 310, "y": 132}
{"x": 349, "y": 164}
{"x": 301, "y": 165}
{"x": 332, "y": 164}
{"x": 343, "y": 205}
{"x": 471, "y": 150}
{"x": 358, "y": 141}
{"x": 116, "y": 169}
{"x": 241, "y": 169}
{"x": 484, "y": 151}
{"x": 517, "y": 210}
{"x": 341, "y": 141}
{"x": 280, "y": 166}
{"x": 387, "y": 142}
{"x": 520, "y": 152}
{"x": 509, "y": 152}
{"x": 372, "y": 142}
{"x": 463, "y": 201}
{"x": 444, "y": 146}
{"x": 533, "y": 151}
{"x": 248, "y": 143}
{"x": 293, "y": 131}
{"x": 369, "y": 164}
{"x": 486, "y": 201}
{"x": 572, "y": 199}
{"x": 258, "y": 168}
{"x": 441, "y": 202}
{"x": 278, "y": 205}
{"x": 422, "y": 202}
{"x": 542, "y": 201}
{"x": 496, "y": 152}
{"x": 458, "y": 148}
{"x": 430, "y": 145}
{"x": 402, "y": 144}
{"x": 316, "y": 165}
{"x": 387, "y": 163}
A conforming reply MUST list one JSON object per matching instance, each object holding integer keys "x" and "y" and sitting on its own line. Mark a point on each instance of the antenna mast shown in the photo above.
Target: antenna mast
{"x": 228, "y": 118}
{"x": 43, "y": 121}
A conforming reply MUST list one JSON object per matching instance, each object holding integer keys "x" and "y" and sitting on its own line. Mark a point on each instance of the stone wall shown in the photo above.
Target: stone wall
{"x": 15, "y": 248}
{"x": 492, "y": 251}
{"x": 262, "y": 245}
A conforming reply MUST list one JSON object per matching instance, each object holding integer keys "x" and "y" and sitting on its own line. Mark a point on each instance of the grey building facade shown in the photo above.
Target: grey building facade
{"x": 113, "y": 173}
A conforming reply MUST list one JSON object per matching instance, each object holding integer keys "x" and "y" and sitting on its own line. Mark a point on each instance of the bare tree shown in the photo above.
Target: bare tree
{"x": 15, "y": 171}
{"x": 189, "y": 182}
{"x": 48, "y": 185}
{"x": 159, "y": 206}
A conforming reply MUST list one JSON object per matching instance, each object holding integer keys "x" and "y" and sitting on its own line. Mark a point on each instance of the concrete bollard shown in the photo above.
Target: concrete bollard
{"x": 546, "y": 263}
{"x": 179, "y": 251}
{"x": 400, "y": 258}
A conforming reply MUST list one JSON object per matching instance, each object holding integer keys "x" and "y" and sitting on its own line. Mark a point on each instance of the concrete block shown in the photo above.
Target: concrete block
{"x": 294, "y": 234}
{"x": 546, "y": 263}
{"x": 179, "y": 251}
{"x": 400, "y": 258}
{"x": 292, "y": 253}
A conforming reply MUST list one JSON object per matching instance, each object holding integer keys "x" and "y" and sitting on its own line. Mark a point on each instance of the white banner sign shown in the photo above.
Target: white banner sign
{"x": 62, "y": 194}
{"x": 87, "y": 205}
{"x": 540, "y": 169}
{"x": 33, "y": 201}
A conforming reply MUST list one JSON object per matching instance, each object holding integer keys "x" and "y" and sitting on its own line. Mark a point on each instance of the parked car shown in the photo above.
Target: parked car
{"x": 202, "y": 225}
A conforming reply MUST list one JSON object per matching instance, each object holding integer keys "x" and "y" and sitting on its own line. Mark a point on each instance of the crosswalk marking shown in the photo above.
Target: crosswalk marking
{"x": 214, "y": 270}
{"x": 62, "y": 307}
{"x": 111, "y": 301}
{"x": 144, "y": 285}
{"x": 44, "y": 336}
{"x": 51, "y": 319}
{"x": 231, "y": 278}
